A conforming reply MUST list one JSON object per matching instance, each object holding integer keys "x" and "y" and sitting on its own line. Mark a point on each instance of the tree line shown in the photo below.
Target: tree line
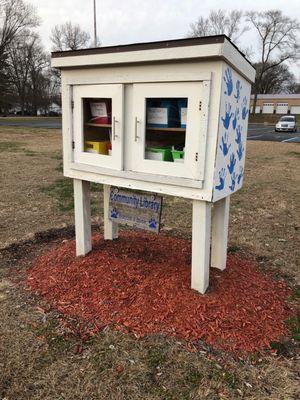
{"x": 26, "y": 78}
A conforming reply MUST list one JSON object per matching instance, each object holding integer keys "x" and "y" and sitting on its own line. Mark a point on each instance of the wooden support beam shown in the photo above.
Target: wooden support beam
{"x": 82, "y": 205}
{"x": 110, "y": 228}
{"x": 200, "y": 245}
{"x": 219, "y": 239}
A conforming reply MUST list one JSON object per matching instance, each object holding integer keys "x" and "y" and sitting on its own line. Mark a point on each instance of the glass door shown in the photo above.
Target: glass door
{"x": 98, "y": 125}
{"x": 169, "y": 129}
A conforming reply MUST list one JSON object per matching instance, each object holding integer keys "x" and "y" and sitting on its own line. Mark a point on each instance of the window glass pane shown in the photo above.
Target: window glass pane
{"x": 97, "y": 114}
{"x": 166, "y": 120}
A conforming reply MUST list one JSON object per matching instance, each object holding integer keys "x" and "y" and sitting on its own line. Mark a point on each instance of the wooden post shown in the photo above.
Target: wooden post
{"x": 220, "y": 233}
{"x": 200, "y": 245}
{"x": 110, "y": 228}
{"x": 82, "y": 205}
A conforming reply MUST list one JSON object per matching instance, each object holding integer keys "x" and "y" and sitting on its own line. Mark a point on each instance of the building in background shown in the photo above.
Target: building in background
{"x": 53, "y": 109}
{"x": 276, "y": 104}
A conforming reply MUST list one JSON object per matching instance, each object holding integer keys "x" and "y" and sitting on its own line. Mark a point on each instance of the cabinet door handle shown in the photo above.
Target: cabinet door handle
{"x": 114, "y": 128}
{"x": 136, "y": 137}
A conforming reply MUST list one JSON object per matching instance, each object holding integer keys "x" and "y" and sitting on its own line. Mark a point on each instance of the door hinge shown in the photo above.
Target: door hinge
{"x": 72, "y": 104}
{"x": 196, "y": 156}
{"x": 73, "y": 144}
{"x": 200, "y": 105}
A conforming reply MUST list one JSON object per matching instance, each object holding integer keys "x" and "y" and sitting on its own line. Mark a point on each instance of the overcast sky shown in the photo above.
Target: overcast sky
{"x": 131, "y": 21}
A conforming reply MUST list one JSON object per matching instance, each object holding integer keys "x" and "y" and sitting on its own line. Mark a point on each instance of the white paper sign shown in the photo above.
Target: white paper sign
{"x": 183, "y": 114}
{"x": 98, "y": 109}
{"x": 157, "y": 115}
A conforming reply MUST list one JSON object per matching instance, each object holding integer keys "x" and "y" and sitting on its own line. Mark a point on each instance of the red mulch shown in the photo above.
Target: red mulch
{"x": 141, "y": 283}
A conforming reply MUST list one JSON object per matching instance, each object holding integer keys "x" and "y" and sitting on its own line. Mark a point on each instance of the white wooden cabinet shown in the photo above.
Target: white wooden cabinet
{"x": 114, "y": 93}
{"x": 167, "y": 117}
{"x": 195, "y": 93}
{"x": 197, "y": 98}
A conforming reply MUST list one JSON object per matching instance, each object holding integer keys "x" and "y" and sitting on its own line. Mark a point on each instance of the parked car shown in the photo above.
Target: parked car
{"x": 286, "y": 123}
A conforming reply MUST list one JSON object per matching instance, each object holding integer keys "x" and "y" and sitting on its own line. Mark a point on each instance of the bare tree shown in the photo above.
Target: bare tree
{"x": 38, "y": 87}
{"x": 277, "y": 35}
{"x": 18, "y": 66}
{"x": 69, "y": 36}
{"x": 220, "y": 22}
{"x": 279, "y": 79}
{"x": 25, "y": 64}
{"x": 297, "y": 88}
{"x": 15, "y": 17}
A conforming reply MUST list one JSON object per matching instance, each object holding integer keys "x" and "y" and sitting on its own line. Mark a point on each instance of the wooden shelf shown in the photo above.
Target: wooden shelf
{"x": 149, "y": 128}
{"x": 98, "y": 125}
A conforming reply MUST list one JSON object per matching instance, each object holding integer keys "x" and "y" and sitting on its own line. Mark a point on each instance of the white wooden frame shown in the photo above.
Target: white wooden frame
{"x": 110, "y": 227}
{"x": 196, "y": 128}
{"x": 200, "y": 245}
{"x": 220, "y": 222}
{"x": 82, "y": 208}
{"x": 116, "y": 93}
{"x": 188, "y": 188}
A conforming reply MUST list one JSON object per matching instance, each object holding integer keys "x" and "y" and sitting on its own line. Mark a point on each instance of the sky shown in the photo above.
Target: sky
{"x": 131, "y": 21}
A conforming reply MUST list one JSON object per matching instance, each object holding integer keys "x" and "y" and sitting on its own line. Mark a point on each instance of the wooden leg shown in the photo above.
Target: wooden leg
{"x": 220, "y": 233}
{"x": 110, "y": 228}
{"x": 201, "y": 245}
{"x": 82, "y": 205}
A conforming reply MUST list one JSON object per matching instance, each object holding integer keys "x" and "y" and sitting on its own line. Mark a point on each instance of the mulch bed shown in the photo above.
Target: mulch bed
{"x": 141, "y": 283}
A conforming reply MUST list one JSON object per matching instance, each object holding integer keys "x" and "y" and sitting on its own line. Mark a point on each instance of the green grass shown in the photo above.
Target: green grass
{"x": 193, "y": 377}
{"x": 57, "y": 156}
{"x": 10, "y": 146}
{"x": 62, "y": 191}
{"x": 156, "y": 357}
{"x": 30, "y": 153}
{"x": 294, "y": 326}
{"x": 16, "y": 147}
{"x": 60, "y": 167}
{"x": 233, "y": 249}
{"x": 295, "y": 153}
{"x": 296, "y": 294}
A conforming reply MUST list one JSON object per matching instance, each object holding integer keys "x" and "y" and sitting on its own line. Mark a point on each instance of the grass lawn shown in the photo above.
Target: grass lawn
{"x": 38, "y": 362}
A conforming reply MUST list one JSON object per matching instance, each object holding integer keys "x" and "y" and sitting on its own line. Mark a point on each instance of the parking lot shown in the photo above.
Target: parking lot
{"x": 267, "y": 133}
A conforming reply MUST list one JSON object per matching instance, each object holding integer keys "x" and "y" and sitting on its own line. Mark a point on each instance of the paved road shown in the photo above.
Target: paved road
{"x": 266, "y": 132}
{"x": 47, "y": 123}
{"x": 255, "y": 131}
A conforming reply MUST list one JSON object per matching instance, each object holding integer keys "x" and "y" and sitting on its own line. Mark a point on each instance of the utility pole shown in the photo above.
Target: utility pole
{"x": 95, "y": 25}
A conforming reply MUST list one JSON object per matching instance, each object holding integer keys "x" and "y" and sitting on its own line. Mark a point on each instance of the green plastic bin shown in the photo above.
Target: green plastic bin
{"x": 159, "y": 153}
{"x": 177, "y": 154}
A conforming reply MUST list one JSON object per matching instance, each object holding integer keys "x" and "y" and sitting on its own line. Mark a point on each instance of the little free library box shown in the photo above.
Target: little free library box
{"x": 164, "y": 118}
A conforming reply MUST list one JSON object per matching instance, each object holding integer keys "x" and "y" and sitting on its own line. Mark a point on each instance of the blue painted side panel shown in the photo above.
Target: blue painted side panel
{"x": 232, "y": 134}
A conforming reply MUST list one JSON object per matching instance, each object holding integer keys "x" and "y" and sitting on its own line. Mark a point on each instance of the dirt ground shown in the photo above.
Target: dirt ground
{"x": 39, "y": 361}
